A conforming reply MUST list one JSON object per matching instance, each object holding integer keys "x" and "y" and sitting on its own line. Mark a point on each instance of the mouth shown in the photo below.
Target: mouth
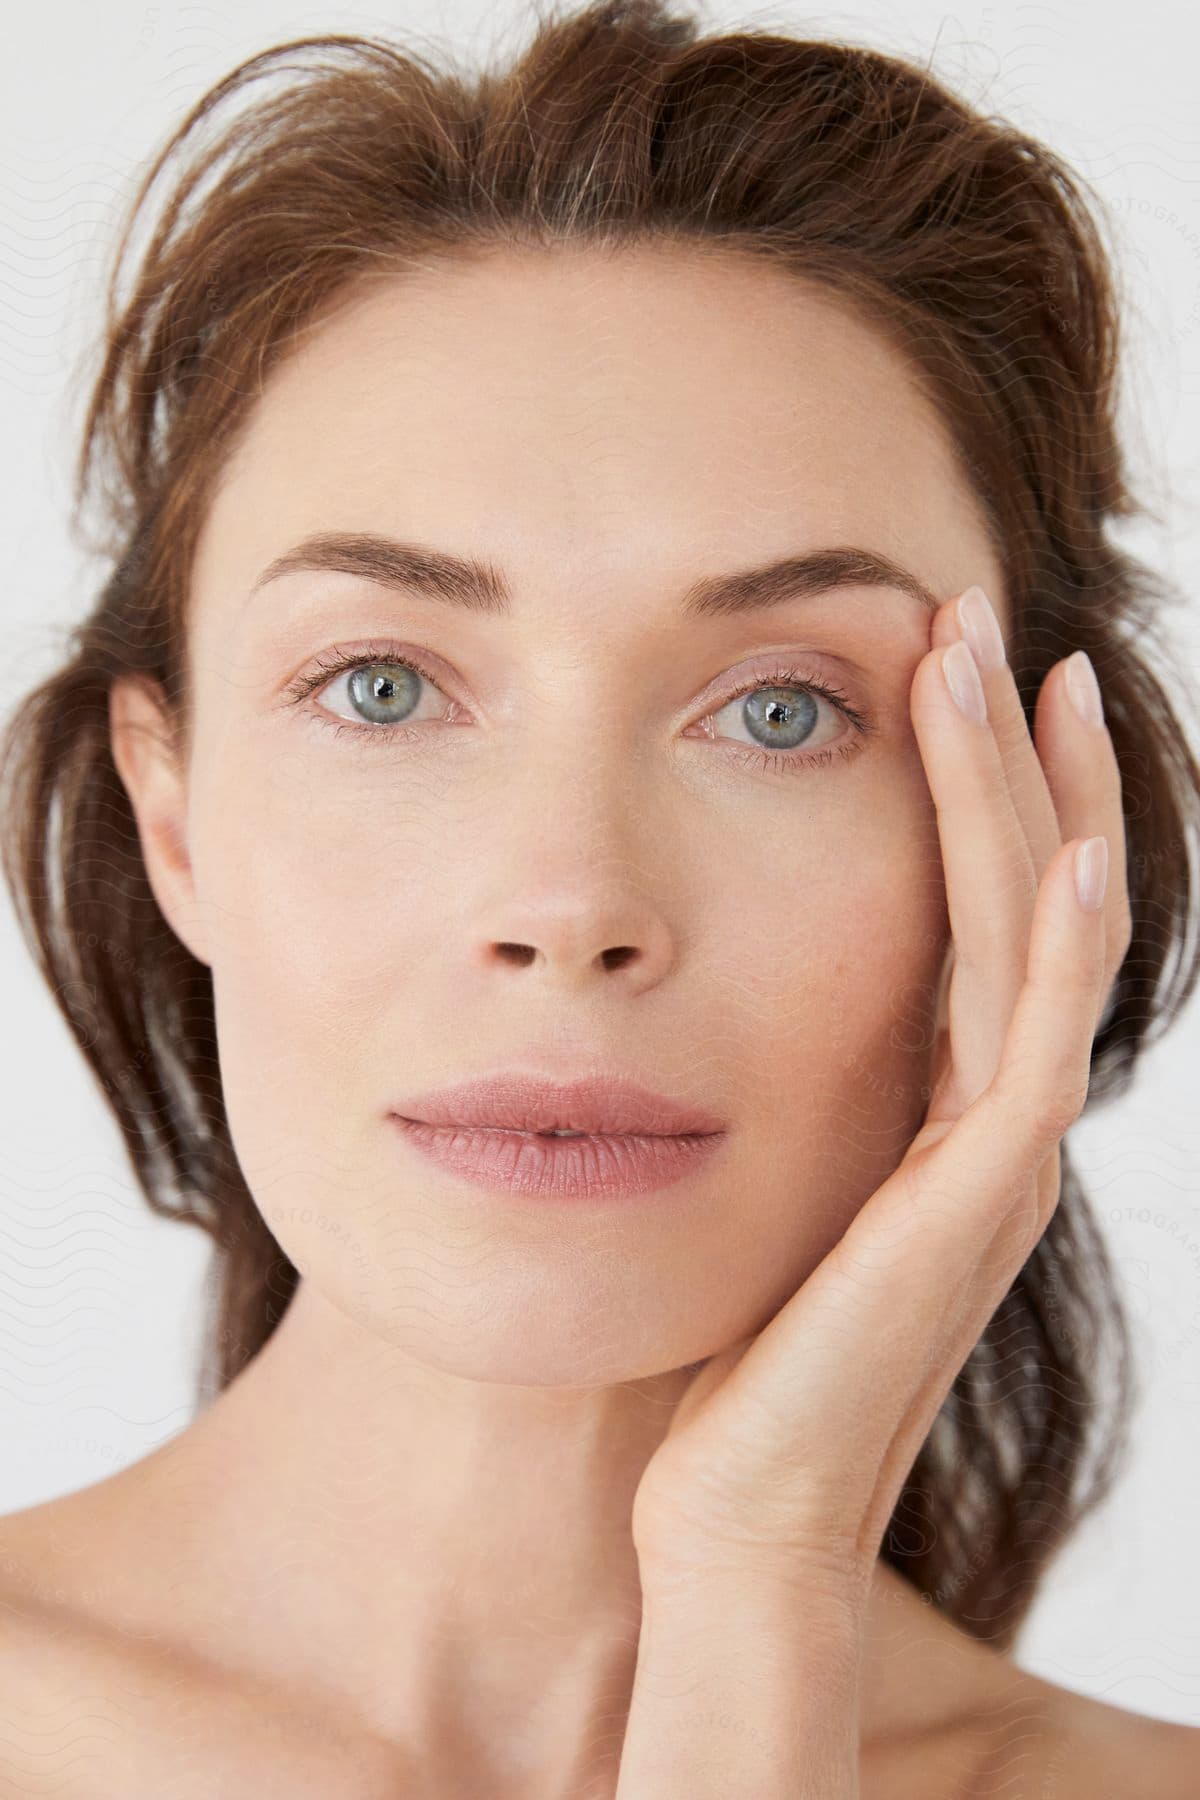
{"x": 550, "y": 1132}
{"x": 522, "y": 1104}
{"x": 550, "y": 1162}
{"x": 516, "y": 1133}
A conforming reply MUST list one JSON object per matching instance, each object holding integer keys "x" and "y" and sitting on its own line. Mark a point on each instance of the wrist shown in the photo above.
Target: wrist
{"x": 743, "y": 1685}
{"x": 775, "y": 1594}
{"x": 811, "y": 1636}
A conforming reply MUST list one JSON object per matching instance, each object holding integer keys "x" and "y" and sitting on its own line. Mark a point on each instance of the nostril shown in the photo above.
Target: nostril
{"x": 515, "y": 953}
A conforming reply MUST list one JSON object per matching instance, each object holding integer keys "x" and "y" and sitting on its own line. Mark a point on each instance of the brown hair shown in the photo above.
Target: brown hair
{"x": 970, "y": 243}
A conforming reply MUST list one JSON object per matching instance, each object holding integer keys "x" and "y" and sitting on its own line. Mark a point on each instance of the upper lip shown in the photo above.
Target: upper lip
{"x": 605, "y": 1104}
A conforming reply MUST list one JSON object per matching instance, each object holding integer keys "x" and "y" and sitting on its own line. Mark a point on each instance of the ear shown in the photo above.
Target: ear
{"x": 146, "y": 760}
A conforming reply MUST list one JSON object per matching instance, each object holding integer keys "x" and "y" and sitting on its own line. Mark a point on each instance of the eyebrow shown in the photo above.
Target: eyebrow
{"x": 481, "y": 587}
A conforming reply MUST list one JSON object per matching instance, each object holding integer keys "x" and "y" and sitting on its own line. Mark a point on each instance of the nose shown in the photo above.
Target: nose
{"x": 579, "y": 934}
{"x": 580, "y": 882}
{"x": 522, "y": 954}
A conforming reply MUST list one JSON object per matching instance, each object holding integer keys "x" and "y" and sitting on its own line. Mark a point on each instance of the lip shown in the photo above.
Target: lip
{"x": 605, "y": 1104}
{"x": 590, "y": 1168}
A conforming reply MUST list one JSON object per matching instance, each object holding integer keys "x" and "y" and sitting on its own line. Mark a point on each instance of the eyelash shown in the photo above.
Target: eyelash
{"x": 773, "y": 760}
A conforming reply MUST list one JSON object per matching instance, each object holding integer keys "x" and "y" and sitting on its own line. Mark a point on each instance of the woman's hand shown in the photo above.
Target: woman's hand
{"x": 785, "y": 1458}
{"x": 758, "y": 1520}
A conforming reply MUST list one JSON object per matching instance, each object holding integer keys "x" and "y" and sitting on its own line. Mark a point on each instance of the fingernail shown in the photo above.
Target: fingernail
{"x": 1091, "y": 873}
{"x": 981, "y": 628}
{"x": 1084, "y": 689}
{"x": 962, "y": 678}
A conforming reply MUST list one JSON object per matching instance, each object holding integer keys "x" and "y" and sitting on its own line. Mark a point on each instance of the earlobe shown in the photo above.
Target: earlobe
{"x": 145, "y": 758}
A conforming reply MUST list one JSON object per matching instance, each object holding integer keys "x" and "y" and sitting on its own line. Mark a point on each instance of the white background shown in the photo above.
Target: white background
{"x": 99, "y": 1301}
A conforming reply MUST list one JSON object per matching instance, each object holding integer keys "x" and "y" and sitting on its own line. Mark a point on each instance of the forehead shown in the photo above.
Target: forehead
{"x": 602, "y": 414}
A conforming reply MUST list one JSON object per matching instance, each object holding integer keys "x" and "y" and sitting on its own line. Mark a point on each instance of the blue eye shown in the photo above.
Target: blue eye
{"x": 785, "y": 724}
{"x": 783, "y": 707}
{"x": 391, "y": 692}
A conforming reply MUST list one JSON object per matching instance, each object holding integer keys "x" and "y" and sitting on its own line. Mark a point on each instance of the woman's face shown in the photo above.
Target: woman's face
{"x": 576, "y": 772}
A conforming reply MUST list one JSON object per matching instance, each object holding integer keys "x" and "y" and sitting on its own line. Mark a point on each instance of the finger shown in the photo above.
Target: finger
{"x": 1027, "y": 785}
{"x": 1064, "y": 781}
{"x": 917, "y": 1275}
{"x": 963, "y": 1332}
{"x": 1084, "y": 779}
{"x": 971, "y": 615}
{"x": 933, "y": 1227}
{"x": 988, "y": 868}
{"x": 888, "y": 1316}
{"x": 999, "y": 1147}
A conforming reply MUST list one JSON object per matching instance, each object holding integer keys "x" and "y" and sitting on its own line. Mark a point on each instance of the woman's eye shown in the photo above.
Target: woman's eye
{"x": 785, "y": 714}
{"x": 377, "y": 692}
{"x": 784, "y": 720}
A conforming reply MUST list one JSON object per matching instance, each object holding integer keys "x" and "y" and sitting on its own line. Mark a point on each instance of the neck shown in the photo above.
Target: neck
{"x": 449, "y": 1559}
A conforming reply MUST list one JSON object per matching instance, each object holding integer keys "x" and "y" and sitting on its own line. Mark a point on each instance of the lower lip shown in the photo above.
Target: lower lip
{"x": 586, "y": 1168}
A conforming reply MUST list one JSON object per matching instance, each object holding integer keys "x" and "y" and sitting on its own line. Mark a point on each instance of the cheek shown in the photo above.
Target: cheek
{"x": 319, "y": 916}
{"x": 816, "y": 934}
{"x": 838, "y": 975}
{"x": 821, "y": 923}
{"x": 308, "y": 983}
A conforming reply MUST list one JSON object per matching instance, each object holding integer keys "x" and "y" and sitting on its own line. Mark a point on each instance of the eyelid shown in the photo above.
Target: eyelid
{"x": 718, "y": 692}
{"x": 339, "y": 658}
{"x": 783, "y": 675}
{"x": 769, "y": 668}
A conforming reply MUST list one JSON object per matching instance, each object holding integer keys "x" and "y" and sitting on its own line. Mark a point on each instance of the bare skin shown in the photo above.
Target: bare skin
{"x": 106, "y": 1636}
{"x": 408, "y": 1519}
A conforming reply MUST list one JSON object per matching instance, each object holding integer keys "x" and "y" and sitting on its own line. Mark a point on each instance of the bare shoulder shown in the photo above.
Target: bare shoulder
{"x": 86, "y": 1710}
{"x": 1097, "y": 1751}
{"x": 1022, "y": 1738}
{"x": 1047, "y": 1741}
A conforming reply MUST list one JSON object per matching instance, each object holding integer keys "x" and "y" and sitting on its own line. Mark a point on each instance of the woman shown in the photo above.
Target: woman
{"x": 515, "y": 488}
